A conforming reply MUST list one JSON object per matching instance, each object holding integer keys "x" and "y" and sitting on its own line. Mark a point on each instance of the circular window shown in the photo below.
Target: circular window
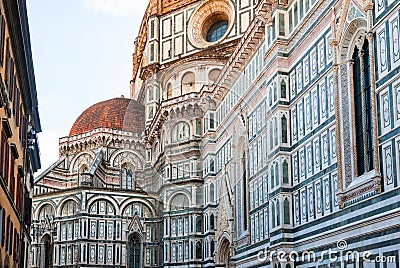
{"x": 211, "y": 23}
{"x": 217, "y": 31}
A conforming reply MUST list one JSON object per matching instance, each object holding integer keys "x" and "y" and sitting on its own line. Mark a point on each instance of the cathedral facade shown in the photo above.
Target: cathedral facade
{"x": 257, "y": 134}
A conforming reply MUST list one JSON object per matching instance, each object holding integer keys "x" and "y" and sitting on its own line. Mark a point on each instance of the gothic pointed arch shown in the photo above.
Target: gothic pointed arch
{"x": 224, "y": 252}
{"x": 241, "y": 186}
{"x": 46, "y": 251}
{"x": 356, "y": 124}
{"x": 135, "y": 251}
{"x": 82, "y": 159}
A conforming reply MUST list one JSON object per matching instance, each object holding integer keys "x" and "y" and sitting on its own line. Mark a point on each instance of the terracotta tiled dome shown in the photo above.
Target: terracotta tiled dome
{"x": 119, "y": 113}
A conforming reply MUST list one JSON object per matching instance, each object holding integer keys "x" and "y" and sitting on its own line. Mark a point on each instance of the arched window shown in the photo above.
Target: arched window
{"x": 283, "y": 89}
{"x": 213, "y": 74}
{"x": 135, "y": 247}
{"x": 179, "y": 202}
{"x": 285, "y": 172}
{"x": 284, "y": 130}
{"x": 212, "y": 248}
{"x": 212, "y": 222}
{"x": 276, "y": 131}
{"x": 272, "y": 177}
{"x": 181, "y": 132}
{"x": 199, "y": 250}
{"x": 278, "y": 214}
{"x": 102, "y": 207}
{"x": 127, "y": 179}
{"x": 273, "y": 213}
{"x": 212, "y": 192}
{"x": 191, "y": 249}
{"x": 206, "y": 250}
{"x": 270, "y": 97}
{"x": 169, "y": 95}
{"x": 271, "y": 136}
{"x": 199, "y": 196}
{"x": 69, "y": 208}
{"x": 286, "y": 212}
{"x": 275, "y": 92}
{"x": 83, "y": 169}
{"x": 46, "y": 212}
{"x": 244, "y": 197}
{"x": 199, "y": 227}
{"x": 363, "y": 110}
{"x": 136, "y": 208}
{"x": 188, "y": 83}
{"x": 277, "y": 173}
{"x": 47, "y": 252}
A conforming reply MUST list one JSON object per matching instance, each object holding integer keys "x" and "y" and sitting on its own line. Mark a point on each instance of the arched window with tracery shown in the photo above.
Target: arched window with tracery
{"x": 363, "y": 109}
{"x": 69, "y": 208}
{"x": 127, "y": 181}
{"x": 179, "y": 202}
{"x": 46, "y": 212}
{"x": 180, "y": 132}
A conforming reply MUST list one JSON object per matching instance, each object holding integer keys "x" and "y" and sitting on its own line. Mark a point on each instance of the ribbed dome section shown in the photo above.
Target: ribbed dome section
{"x": 119, "y": 113}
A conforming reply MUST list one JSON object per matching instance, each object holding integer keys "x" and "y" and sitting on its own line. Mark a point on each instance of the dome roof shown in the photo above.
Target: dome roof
{"x": 119, "y": 113}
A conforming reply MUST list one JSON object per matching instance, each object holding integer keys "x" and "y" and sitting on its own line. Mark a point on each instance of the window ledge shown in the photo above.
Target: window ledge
{"x": 363, "y": 187}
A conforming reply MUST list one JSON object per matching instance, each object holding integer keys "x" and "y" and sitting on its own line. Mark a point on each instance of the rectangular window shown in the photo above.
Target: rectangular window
{"x": 152, "y": 29}
{"x": 282, "y": 24}
{"x": 9, "y": 235}
{"x": 273, "y": 30}
{"x": 290, "y": 20}
{"x": 212, "y": 123}
{"x": 152, "y": 52}
{"x": 2, "y": 39}
{"x": 16, "y": 245}
{"x": 3, "y": 230}
{"x": 12, "y": 178}
{"x": 198, "y": 126}
{"x": 1, "y": 224}
{"x": 16, "y": 106}
{"x": 307, "y": 5}
{"x": 4, "y": 156}
{"x": 301, "y": 9}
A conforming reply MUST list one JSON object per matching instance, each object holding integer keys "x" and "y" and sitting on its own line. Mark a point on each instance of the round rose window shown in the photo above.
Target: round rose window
{"x": 211, "y": 23}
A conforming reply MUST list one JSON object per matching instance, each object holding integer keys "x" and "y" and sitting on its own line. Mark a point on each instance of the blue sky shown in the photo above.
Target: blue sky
{"x": 82, "y": 51}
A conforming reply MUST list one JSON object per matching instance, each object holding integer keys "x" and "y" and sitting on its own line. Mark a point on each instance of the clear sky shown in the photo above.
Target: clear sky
{"x": 82, "y": 54}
